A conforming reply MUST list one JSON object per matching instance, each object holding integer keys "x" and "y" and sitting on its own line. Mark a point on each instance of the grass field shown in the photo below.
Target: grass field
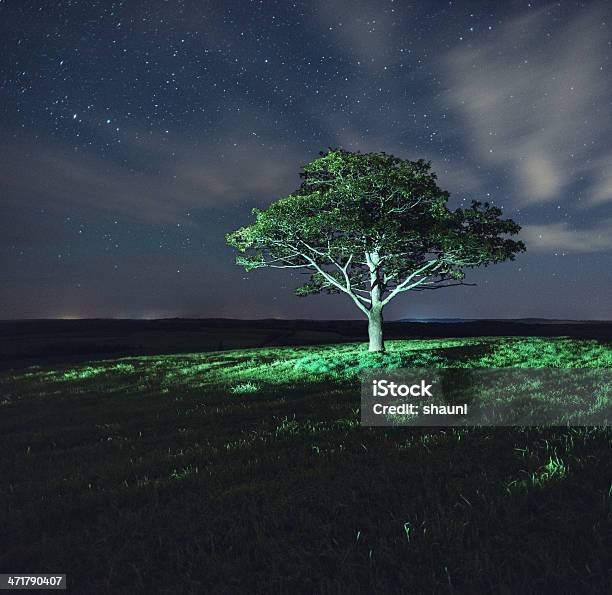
{"x": 248, "y": 471}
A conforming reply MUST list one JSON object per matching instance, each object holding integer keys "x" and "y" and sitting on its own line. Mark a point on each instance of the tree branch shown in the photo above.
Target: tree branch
{"x": 424, "y": 287}
{"x": 430, "y": 265}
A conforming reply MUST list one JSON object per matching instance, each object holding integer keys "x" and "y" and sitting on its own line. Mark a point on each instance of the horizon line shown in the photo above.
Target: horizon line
{"x": 272, "y": 318}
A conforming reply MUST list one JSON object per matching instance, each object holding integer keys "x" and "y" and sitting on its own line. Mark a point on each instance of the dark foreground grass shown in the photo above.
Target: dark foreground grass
{"x": 248, "y": 471}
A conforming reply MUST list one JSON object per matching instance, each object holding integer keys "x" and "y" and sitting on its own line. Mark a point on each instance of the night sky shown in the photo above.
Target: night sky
{"x": 136, "y": 134}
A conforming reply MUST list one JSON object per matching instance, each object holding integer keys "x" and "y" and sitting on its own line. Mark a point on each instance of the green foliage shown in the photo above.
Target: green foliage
{"x": 372, "y": 222}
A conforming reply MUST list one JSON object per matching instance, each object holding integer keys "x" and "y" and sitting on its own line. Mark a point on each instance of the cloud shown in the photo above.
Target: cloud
{"x": 560, "y": 237}
{"x": 173, "y": 176}
{"x": 456, "y": 177}
{"x": 535, "y": 99}
{"x": 601, "y": 170}
{"x": 362, "y": 31}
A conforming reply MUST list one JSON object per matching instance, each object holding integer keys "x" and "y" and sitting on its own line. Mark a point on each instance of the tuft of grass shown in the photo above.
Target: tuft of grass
{"x": 244, "y": 388}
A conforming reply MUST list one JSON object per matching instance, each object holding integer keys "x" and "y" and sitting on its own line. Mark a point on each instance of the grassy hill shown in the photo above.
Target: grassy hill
{"x": 248, "y": 471}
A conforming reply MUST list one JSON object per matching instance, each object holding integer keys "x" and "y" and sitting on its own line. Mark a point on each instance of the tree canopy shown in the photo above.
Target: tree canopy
{"x": 372, "y": 226}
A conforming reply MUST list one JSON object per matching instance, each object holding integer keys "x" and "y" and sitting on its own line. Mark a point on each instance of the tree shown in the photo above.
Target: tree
{"x": 373, "y": 226}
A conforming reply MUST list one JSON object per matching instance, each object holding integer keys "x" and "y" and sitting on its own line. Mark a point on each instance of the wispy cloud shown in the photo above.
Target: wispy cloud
{"x": 364, "y": 32}
{"x": 560, "y": 237}
{"x": 177, "y": 175}
{"x": 535, "y": 101}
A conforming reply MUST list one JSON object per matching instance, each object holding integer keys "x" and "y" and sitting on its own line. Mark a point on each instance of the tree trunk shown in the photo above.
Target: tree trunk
{"x": 375, "y": 330}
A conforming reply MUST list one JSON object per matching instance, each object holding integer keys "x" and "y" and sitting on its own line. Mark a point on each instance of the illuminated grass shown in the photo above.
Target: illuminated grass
{"x": 167, "y": 474}
{"x": 244, "y": 389}
{"x": 282, "y": 365}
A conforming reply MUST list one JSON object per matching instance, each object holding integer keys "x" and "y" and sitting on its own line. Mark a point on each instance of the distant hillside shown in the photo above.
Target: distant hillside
{"x": 502, "y": 320}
